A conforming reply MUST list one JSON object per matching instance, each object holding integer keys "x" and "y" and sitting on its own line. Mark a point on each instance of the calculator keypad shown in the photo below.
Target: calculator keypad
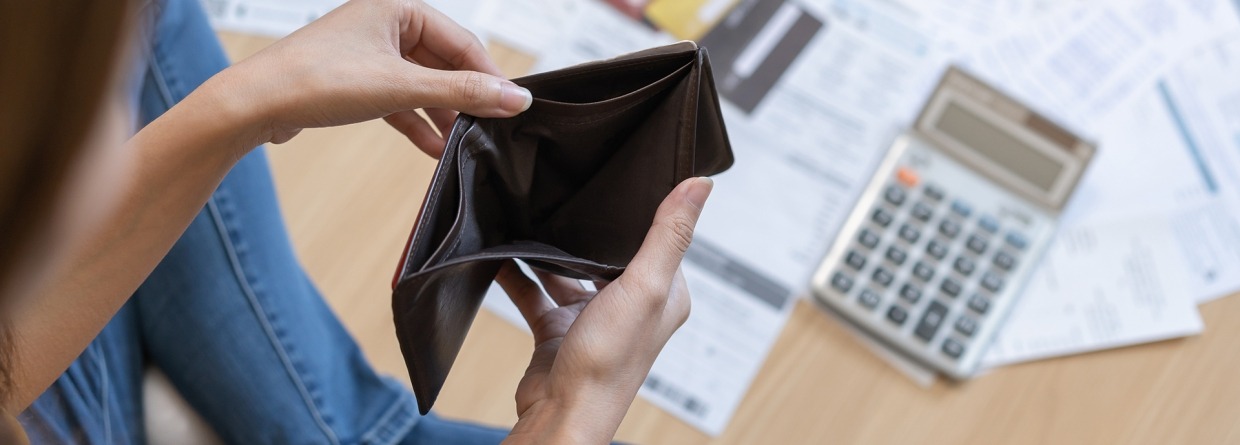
{"x": 928, "y": 265}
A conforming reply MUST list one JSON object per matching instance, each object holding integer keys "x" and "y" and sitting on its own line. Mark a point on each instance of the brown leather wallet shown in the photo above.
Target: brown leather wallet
{"x": 570, "y": 186}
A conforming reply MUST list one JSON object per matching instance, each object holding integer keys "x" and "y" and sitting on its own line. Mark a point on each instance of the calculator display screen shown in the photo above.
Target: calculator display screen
{"x": 999, "y": 146}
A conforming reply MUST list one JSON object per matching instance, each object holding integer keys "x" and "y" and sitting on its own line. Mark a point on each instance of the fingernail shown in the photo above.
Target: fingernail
{"x": 513, "y": 98}
{"x": 699, "y": 190}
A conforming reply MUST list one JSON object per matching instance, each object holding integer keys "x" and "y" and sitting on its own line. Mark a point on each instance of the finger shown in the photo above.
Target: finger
{"x": 565, "y": 291}
{"x": 523, "y": 292}
{"x": 447, "y": 40}
{"x": 443, "y": 119}
{"x": 470, "y": 92}
{"x": 656, "y": 262}
{"x": 418, "y": 130}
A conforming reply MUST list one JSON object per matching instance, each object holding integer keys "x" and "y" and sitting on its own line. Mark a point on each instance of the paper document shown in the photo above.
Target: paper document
{"x": 1101, "y": 286}
{"x": 1081, "y": 63}
{"x": 278, "y": 18}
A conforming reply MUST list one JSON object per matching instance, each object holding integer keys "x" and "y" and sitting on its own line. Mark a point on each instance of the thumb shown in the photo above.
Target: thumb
{"x": 669, "y": 237}
{"x": 469, "y": 92}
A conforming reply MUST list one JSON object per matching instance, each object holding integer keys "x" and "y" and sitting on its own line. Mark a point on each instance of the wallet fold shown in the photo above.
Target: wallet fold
{"x": 570, "y": 186}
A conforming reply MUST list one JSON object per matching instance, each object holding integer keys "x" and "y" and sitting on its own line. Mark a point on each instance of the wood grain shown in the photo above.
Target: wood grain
{"x": 350, "y": 195}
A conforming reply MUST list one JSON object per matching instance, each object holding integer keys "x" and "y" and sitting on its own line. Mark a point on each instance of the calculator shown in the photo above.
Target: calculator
{"x": 943, "y": 238}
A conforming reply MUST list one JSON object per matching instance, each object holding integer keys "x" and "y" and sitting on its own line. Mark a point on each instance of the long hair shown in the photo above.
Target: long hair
{"x": 57, "y": 58}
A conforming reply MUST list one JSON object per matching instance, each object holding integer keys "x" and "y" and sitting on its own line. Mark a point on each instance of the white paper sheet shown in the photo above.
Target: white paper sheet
{"x": 278, "y": 18}
{"x": 1081, "y": 63}
{"x": 1102, "y": 285}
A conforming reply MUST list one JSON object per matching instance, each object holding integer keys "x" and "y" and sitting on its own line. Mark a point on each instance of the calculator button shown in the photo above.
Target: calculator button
{"x": 894, "y": 195}
{"x": 910, "y": 293}
{"x": 951, "y": 287}
{"x": 992, "y": 282}
{"x": 867, "y": 239}
{"x": 910, "y": 234}
{"x": 1015, "y": 239}
{"x": 882, "y": 276}
{"x": 931, "y": 320}
{"x": 953, "y": 348}
{"x": 881, "y": 217}
{"x": 966, "y": 325}
{"x": 855, "y": 260}
{"x": 964, "y": 266}
{"x": 988, "y": 223}
{"x": 897, "y": 315}
{"x": 923, "y": 271}
{"x": 962, "y": 209}
{"x": 868, "y": 298}
{"x": 922, "y": 212}
{"x": 896, "y": 255}
{"x": 1004, "y": 261}
{"x": 841, "y": 282}
{"x": 936, "y": 249}
{"x": 933, "y": 192}
{"x": 976, "y": 243}
{"x": 907, "y": 176}
{"x": 979, "y": 303}
{"x": 949, "y": 228}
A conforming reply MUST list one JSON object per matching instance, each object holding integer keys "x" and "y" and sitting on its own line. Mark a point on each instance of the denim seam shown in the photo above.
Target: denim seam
{"x": 104, "y": 381}
{"x": 276, "y": 343}
{"x": 383, "y": 433}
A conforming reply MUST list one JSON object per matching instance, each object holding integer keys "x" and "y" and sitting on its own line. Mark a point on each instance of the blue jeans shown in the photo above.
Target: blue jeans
{"x": 229, "y": 315}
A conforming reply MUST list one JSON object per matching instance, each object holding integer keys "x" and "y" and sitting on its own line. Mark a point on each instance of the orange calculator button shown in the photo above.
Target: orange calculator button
{"x": 907, "y": 176}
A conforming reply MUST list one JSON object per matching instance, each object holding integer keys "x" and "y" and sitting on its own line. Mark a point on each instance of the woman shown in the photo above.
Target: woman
{"x": 166, "y": 248}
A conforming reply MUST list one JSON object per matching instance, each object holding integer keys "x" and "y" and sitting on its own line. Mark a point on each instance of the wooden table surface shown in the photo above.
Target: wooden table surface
{"x": 350, "y": 195}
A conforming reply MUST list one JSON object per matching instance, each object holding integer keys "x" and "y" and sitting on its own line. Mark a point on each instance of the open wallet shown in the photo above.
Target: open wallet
{"x": 570, "y": 187}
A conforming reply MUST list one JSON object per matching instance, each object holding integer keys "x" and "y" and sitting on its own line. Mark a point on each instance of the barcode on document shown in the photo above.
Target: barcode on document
{"x": 675, "y": 395}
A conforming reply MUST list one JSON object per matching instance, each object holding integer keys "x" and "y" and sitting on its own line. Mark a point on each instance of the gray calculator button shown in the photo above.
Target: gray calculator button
{"x": 1015, "y": 239}
{"x": 934, "y": 192}
{"x": 949, "y": 228}
{"x": 910, "y": 234}
{"x": 964, "y": 265}
{"x": 936, "y": 249}
{"x": 896, "y": 255}
{"x": 966, "y": 325}
{"x": 953, "y": 348}
{"x": 881, "y": 217}
{"x": 897, "y": 315}
{"x": 1004, "y": 261}
{"x": 931, "y": 320}
{"x": 868, "y": 298}
{"x": 867, "y": 239}
{"x": 894, "y": 195}
{"x": 922, "y": 212}
{"x": 910, "y": 293}
{"x": 923, "y": 271}
{"x": 992, "y": 282}
{"x": 988, "y": 223}
{"x": 882, "y": 276}
{"x": 976, "y": 243}
{"x": 979, "y": 303}
{"x": 962, "y": 209}
{"x": 842, "y": 282}
{"x": 855, "y": 260}
{"x": 951, "y": 287}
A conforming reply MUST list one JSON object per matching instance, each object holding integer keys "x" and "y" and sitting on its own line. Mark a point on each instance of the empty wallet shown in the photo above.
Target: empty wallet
{"x": 570, "y": 186}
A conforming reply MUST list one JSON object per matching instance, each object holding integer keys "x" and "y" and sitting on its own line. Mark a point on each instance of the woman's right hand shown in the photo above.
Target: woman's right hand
{"x": 592, "y": 350}
{"x": 365, "y": 60}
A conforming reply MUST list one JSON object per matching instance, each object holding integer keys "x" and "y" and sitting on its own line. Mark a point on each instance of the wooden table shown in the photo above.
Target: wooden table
{"x": 350, "y": 195}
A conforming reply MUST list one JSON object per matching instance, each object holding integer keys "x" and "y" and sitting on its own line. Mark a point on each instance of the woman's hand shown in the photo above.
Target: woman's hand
{"x": 592, "y": 351}
{"x": 370, "y": 59}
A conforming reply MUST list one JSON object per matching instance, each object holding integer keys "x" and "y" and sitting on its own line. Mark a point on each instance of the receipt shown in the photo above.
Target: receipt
{"x": 1101, "y": 285}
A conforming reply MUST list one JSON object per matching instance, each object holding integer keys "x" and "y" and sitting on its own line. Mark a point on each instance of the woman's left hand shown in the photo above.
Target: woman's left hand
{"x": 370, "y": 59}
